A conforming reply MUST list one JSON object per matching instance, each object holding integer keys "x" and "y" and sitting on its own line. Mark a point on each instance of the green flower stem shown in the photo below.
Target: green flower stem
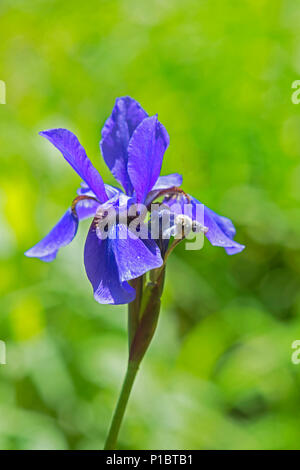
{"x": 143, "y": 315}
{"x": 134, "y": 308}
{"x": 112, "y": 437}
{"x": 148, "y": 319}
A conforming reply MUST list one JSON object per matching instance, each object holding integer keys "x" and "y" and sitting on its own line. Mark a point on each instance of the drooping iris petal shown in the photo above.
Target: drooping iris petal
{"x": 134, "y": 256}
{"x": 218, "y": 237}
{"x": 127, "y": 114}
{"x": 102, "y": 271}
{"x": 63, "y": 232}
{"x": 163, "y": 183}
{"x": 68, "y": 144}
{"x": 145, "y": 154}
{"x": 61, "y": 235}
{"x": 224, "y": 223}
{"x": 235, "y": 250}
{"x": 220, "y": 229}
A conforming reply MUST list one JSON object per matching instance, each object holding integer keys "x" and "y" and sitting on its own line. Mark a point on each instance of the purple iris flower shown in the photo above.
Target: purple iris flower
{"x": 133, "y": 146}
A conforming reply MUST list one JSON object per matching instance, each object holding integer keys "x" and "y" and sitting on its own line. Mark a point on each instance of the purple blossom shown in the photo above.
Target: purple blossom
{"x": 133, "y": 145}
{"x": 110, "y": 263}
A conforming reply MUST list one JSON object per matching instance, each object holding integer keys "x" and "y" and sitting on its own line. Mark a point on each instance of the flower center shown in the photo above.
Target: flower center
{"x": 183, "y": 225}
{"x": 170, "y": 193}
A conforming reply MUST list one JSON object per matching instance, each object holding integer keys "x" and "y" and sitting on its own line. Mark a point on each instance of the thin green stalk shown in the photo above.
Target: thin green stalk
{"x": 112, "y": 437}
{"x": 142, "y": 321}
{"x": 134, "y": 308}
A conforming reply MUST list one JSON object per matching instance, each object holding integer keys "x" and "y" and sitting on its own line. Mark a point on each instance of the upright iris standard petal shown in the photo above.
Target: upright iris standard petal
{"x": 102, "y": 271}
{"x": 145, "y": 154}
{"x": 134, "y": 256}
{"x": 127, "y": 114}
{"x": 63, "y": 232}
{"x": 68, "y": 144}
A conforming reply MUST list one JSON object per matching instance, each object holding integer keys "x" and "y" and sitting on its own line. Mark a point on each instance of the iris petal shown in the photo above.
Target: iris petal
{"x": 134, "y": 256}
{"x": 224, "y": 223}
{"x": 111, "y": 191}
{"x": 63, "y": 232}
{"x": 102, "y": 271}
{"x": 127, "y": 114}
{"x": 145, "y": 154}
{"x": 68, "y": 144}
{"x": 163, "y": 183}
{"x": 218, "y": 236}
{"x": 168, "y": 181}
{"x": 220, "y": 229}
{"x": 120, "y": 257}
{"x": 61, "y": 235}
{"x": 86, "y": 208}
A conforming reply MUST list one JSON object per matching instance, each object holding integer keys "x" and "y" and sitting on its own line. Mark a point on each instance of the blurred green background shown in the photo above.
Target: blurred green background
{"x": 218, "y": 374}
